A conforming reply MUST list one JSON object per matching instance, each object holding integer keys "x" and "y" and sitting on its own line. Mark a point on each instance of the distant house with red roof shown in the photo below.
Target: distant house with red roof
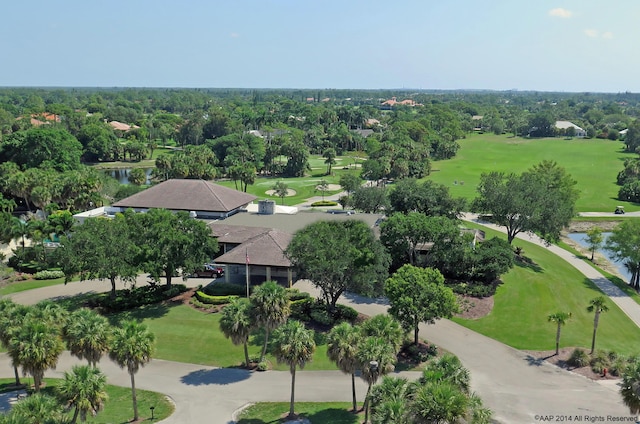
{"x": 387, "y": 104}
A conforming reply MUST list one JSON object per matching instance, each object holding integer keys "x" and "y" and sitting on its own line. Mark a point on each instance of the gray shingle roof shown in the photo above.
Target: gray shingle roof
{"x": 265, "y": 247}
{"x": 188, "y": 195}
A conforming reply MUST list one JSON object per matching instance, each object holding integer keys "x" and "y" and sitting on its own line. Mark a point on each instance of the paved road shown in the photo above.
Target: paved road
{"x": 515, "y": 387}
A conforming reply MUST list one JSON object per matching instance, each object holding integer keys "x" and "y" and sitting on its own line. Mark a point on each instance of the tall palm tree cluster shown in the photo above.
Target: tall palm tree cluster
{"x": 368, "y": 350}
{"x": 268, "y": 310}
{"x": 442, "y": 395}
{"x": 35, "y": 336}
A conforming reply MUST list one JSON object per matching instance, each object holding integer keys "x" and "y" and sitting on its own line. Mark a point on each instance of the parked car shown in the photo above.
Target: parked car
{"x": 209, "y": 270}
{"x": 619, "y": 210}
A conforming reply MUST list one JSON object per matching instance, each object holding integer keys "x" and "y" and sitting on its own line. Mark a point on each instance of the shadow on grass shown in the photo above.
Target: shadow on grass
{"x": 156, "y": 310}
{"x": 525, "y": 262}
{"x": 610, "y": 288}
{"x": 325, "y": 416}
{"x": 218, "y": 376}
{"x": 333, "y": 416}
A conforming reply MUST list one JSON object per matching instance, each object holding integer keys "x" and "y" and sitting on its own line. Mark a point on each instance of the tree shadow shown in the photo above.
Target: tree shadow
{"x": 156, "y": 310}
{"x": 536, "y": 362}
{"x": 528, "y": 263}
{"x": 334, "y": 416}
{"x": 363, "y": 300}
{"x": 216, "y": 376}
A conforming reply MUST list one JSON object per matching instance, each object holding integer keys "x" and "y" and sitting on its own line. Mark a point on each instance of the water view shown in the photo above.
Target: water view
{"x": 122, "y": 174}
{"x": 581, "y": 239}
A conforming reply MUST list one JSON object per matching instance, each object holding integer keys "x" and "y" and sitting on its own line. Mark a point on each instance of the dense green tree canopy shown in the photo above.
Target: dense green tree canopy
{"x": 540, "y": 200}
{"x": 42, "y": 147}
{"x": 338, "y": 256}
{"x": 419, "y": 295}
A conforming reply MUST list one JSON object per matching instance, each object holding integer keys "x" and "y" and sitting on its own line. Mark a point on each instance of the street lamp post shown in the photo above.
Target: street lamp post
{"x": 373, "y": 377}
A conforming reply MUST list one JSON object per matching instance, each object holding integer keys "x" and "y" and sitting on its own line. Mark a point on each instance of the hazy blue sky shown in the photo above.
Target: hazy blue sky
{"x": 570, "y": 45}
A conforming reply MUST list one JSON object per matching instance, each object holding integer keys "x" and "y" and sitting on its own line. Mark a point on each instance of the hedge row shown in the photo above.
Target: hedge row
{"x": 214, "y": 300}
{"x": 137, "y": 296}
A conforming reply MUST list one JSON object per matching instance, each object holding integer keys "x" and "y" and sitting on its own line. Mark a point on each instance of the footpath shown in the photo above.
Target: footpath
{"x": 620, "y": 298}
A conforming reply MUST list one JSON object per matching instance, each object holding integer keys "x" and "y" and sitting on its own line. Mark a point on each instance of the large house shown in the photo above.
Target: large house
{"x": 565, "y": 125}
{"x": 205, "y": 199}
{"x": 202, "y": 199}
{"x": 256, "y": 243}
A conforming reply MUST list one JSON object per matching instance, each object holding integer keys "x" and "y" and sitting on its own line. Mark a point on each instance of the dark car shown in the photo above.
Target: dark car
{"x": 208, "y": 270}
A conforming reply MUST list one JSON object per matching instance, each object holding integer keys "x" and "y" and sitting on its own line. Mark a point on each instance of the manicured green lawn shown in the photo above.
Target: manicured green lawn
{"x": 531, "y": 293}
{"x": 119, "y": 408}
{"x": 184, "y": 334}
{"x": 317, "y": 413}
{"x": 305, "y": 187}
{"x": 593, "y": 163}
{"x": 28, "y": 285}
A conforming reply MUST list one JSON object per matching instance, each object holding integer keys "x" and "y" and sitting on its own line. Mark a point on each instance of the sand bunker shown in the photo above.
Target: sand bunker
{"x": 290, "y": 192}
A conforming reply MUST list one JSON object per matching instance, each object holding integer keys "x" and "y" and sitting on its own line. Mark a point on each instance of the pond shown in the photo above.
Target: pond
{"x": 122, "y": 174}
{"x": 581, "y": 239}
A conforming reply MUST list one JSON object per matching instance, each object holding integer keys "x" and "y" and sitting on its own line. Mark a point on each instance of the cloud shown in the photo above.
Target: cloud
{"x": 592, "y": 33}
{"x": 559, "y": 12}
{"x": 234, "y": 35}
{"x": 607, "y": 35}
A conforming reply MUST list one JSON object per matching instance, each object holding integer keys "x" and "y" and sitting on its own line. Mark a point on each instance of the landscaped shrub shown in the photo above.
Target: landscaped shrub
{"x": 48, "y": 275}
{"x": 214, "y": 300}
{"x": 295, "y": 294}
{"x": 137, "y": 296}
{"x": 618, "y": 366}
{"x": 599, "y": 361}
{"x": 478, "y": 290}
{"x": 300, "y": 309}
{"x": 262, "y": 366}
{"x": 324, "y": 203}
{"x": 225, "y": 289}
{"x": 345, "y": 313}
{"x": 321, "y": 316}
{"x": 578, "y": 358}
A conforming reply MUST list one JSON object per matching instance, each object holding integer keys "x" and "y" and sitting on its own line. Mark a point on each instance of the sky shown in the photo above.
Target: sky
{"x": 542, "y": 45}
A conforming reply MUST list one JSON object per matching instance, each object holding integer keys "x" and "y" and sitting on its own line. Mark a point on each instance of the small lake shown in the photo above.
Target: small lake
{"x": 581, "y": 239}
{"x": 122, "y": 174}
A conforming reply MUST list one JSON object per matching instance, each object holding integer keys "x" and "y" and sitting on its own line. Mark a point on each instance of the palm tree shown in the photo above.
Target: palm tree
{"x": 37, "y": 409}
{"x": 281, "y": 190}
{"x": 330, "y": 158}
{"x": 235, "y": 324}
{"x": 597, "y": 305}
{"x": 386, "y": 327}
{"x": 11, "y": 317}
{"x": 36, "y": 347}
{"x": 342, "y": 342}
{"x": 84, "y": 390}
{"x": 438, "y": 402}
{"x": 630, "y": 387}
{"x": 131, "y": 348}
{"x": 87, "y": 335}
{"x": 19, "y": 229}
{"x": 270, "y": 309}
{"x": 294, "y": 346}
{"x": 50, "y": 313}
{"x": 561, "y": 319}
{"x": 389, "y": 401}
{"x": 376, "y": 357}
{"x": 447, "y": 368}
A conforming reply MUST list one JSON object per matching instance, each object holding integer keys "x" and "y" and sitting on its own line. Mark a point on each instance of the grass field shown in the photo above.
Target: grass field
{"x": 317, "y": 413}
{"x": 118, "y": 408}
{"x": 186, "y": 335}
{"x": 305, "y": 187}
{"x": 531, "y": 293}
{"x": 593, "y": 163}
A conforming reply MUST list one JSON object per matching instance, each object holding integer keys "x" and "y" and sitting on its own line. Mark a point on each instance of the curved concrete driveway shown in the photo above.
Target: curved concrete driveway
{"x": 515, "y": 387}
